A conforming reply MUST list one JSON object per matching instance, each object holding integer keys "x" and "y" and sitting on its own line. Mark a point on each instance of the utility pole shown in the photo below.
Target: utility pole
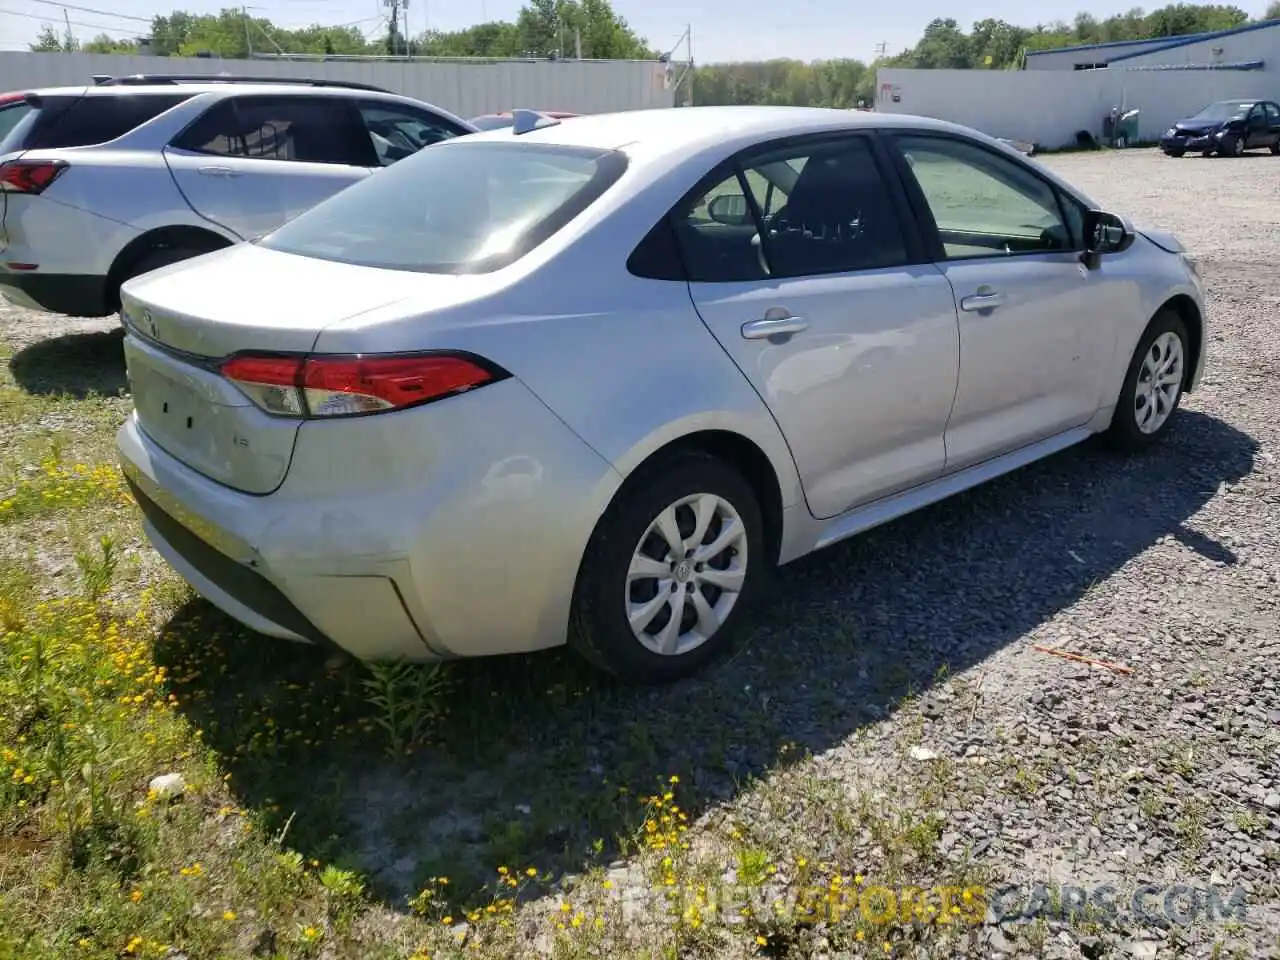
{"x": 686, "y": 38}
{"x": 248, "y": 33}
{"x": 881, "y": 48}
{"x": 688, "y": 32}
{"x": 394, "y": 21}
{"x": 70, "y": 40}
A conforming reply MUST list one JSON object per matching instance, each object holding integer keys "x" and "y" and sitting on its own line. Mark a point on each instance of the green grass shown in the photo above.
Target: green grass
{"x": 340, "y": 811}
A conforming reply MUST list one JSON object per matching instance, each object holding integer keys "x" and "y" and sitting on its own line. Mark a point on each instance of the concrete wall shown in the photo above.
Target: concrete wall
{"x": 467, "y": 88}
{"x": 1047, "y": 107}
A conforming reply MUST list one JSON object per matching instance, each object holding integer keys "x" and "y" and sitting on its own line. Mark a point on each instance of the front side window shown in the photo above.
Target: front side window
{"x": 462, "y": 207}
{"x": 985, "y": 204}
{"x": 398, "y": 132}
{"x": 1273, "y": 114}
{"x": 301, "y": 129}
{"x": 802, "y": 211}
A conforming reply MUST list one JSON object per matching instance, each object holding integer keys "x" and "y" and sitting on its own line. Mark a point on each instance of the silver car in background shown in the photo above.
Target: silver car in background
{"x": 593, "y": 381}
{"x": 106, "y": 182}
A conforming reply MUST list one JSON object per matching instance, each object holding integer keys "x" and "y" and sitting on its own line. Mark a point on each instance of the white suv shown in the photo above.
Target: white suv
{"x": 107, "y": 182}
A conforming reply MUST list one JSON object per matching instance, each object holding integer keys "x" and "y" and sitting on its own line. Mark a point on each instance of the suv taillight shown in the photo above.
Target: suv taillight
{"x": 30, "y": 176}
{"x": 345, "y": 386}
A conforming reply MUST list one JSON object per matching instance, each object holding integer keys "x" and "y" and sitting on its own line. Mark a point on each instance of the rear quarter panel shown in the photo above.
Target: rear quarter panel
{"x": 624, "y": 361}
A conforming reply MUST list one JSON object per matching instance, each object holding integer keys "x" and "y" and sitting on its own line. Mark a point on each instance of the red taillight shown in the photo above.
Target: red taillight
{"x": 30, "y": 176}
{"x": 342, "y": 386}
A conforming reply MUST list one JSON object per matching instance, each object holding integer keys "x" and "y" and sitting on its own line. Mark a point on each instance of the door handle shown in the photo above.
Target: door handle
{"x": 983, "y": 300}
{"x": 773, "y": 327}
{"x": 218, "y": 171}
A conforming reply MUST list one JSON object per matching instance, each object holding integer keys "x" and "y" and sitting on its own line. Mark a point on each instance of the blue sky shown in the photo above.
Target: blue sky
{"x": 722, "y": 29}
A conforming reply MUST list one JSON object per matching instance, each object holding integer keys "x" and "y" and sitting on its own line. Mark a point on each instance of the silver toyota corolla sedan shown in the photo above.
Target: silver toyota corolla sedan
{"x": 590, "y": 382}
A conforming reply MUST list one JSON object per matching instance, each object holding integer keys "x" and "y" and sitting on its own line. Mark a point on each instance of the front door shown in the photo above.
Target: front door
{"x": 1272, "y": 112}
{"x": 251, "y": 163}
{"x": 799, "y": 267}
{"x": 1257, "y": 130}
{"x": 1037, "y": 328}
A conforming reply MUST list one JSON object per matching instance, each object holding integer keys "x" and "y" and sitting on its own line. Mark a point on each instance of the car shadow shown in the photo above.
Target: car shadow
{"x": 74, "y": 364}
{"x": 536, "y": 760}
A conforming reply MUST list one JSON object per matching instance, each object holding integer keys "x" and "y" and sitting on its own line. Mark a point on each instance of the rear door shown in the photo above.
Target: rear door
{"x": 803, "y": 264}
{"x": 1257, "y": 129}
{"x": 253, "y": 162}
{"x": 1273, "y": 125}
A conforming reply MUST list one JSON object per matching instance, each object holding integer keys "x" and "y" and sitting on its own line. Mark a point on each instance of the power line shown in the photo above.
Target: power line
{"x": 101, "y": 13}
{"x": 74, "y": 23}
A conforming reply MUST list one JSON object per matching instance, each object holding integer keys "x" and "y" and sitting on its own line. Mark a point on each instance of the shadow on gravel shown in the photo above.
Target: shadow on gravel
{"x": 526, "y": 766}
{"x": 76, "y": 364}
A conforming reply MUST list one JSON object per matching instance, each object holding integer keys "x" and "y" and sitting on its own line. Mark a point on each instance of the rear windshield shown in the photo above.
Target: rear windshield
{"x": 454, "y": 207}
{"x": 70, "y": 121}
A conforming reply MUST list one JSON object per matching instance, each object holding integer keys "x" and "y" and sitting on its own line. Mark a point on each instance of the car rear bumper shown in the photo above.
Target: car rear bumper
{"x": 74, "y": 295}
{"x": 368, "y": 547}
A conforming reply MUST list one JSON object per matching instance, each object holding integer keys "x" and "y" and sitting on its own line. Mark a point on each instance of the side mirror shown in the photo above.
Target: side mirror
{"x": 729, "y": 209}
{"x": 1106, "y": 233}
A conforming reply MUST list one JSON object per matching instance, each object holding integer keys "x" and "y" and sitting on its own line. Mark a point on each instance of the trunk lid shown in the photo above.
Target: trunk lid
{"x": 183, "y": 320}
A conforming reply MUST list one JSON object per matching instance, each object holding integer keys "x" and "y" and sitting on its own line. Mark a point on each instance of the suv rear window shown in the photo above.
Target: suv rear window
{"x": 85, "y": 121}
{"x": 455, "y": 207}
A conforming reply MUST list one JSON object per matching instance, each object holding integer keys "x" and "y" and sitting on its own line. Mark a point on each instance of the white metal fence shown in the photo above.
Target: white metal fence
{"x": 1047, "y": 107}
{"x": 467, "y": 88}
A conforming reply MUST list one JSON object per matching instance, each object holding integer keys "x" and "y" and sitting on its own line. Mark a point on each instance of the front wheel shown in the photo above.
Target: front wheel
{"x": 1175, "y": 153}
{"x": 669, "y": 570}
{"x": 1275, "y": 149}
{"x": 1237, "y": 147}
{"x": 1152, "y": 386}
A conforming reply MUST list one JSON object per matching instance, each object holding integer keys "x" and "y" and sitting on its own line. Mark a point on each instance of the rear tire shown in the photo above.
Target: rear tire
{"x": 161, "y": 257}
{"x": 1153, "y": 385}
{"x": 1175, "y": 153}
{"x": 154, "y": 260}
{"x": 1275, "y": 149}
{"x": 620, "y": 620}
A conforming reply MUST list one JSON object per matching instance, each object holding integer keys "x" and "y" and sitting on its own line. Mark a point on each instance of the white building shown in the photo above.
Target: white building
{"x": 1065, "y": 92}
{"x": 1244, "y": 47}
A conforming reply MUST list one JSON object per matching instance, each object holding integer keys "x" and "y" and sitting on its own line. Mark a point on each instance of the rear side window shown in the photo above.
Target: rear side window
{"x": 458, "y": 207}
{"x": 85, "y": 121}
{"x": 10, "y": 114}
{"x": 301, "y": 129}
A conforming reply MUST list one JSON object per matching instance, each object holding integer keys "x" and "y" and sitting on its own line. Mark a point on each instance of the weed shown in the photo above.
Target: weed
{"x": 97, "y": 570}
{"x": 407, "y": 700}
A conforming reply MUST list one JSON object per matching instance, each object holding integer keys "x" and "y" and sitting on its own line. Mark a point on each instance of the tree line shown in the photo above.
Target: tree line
{"x": 547, "y": 28}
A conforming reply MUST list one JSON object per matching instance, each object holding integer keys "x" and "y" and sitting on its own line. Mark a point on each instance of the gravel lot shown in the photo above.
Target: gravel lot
{"x": 904, "y": 660}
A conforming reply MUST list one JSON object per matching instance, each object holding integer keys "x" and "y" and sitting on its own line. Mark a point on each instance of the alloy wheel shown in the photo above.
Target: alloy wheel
{"x": 686, "y": 574}
{"x": 1159, "y": 382}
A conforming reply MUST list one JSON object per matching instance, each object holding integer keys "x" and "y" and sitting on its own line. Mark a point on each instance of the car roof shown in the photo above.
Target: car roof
{"x": 195, "y": 87}
{"x": 679, "y": 129}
